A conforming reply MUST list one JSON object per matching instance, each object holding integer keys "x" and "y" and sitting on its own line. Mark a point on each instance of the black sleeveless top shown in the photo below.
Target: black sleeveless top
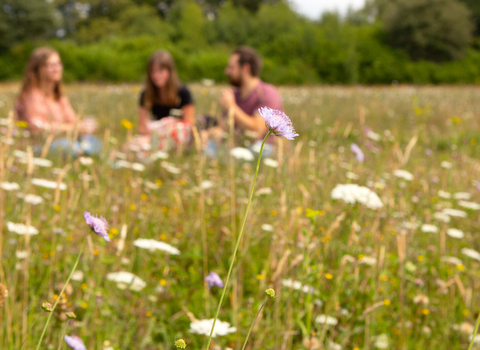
{"x": 160, "y": 111}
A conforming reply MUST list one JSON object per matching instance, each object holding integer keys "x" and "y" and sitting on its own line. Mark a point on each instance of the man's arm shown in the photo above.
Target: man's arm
{"x": 251, "y": 122}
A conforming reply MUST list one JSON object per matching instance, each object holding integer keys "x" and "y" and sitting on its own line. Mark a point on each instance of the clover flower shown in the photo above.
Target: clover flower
{"x": 75, "y": 342}
{"x": 99, "y": 225}
{"x": 278, "y": 122}
{"x": 214, "y": 280}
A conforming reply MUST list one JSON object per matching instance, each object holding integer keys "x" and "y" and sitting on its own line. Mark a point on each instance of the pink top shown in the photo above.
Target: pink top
{"x": 41, "y": 112}
{"x": 264, "y": 95}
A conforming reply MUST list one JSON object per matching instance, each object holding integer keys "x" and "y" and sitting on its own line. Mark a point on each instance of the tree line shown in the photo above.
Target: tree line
{"x": 405, "y": 41}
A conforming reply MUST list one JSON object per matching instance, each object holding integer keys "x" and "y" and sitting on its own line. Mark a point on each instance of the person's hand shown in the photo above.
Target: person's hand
{"x": 227, "y": 100}
{"x": 88, "y": 126}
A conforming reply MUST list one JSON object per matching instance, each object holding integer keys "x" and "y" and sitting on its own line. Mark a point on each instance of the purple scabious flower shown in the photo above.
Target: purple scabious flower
{"x": 75, "y": 342}
{"x": 358, "y": 152}
{"x": 98, "y": 224}
{"x": 214, "y": 280}
{"x": 278, "y": 122}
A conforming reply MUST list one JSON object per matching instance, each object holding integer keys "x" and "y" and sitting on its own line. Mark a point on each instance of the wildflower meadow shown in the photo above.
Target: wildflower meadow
{"x": 362, "y": 231}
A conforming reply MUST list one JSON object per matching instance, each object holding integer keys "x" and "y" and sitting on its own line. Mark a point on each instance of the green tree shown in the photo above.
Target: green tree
{"x": 474, "y": 6}
{"x": 25, "y": 19}
{"x": 436, "y": 30}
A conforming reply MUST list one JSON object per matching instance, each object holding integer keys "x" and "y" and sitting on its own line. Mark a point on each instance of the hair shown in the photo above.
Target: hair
{"x": 152, "y": 93}
{"x": 248, "y": 55}
{"x": 31, "y": 76}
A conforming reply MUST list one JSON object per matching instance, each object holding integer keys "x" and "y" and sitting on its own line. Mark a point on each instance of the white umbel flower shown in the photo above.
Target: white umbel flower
{"x": 352, "y": 193}
{"x": 86, "y": 161}
{"x": 451, "y": 260}
{"x": 272, "y": 163}
{"x": 381, "y": 341}
{"x": 267, "y": 227}
{"x": 444, "y": 194}
{"x": 242, "y": 153}
{"x": 152, "y": 245}
{"x": 124, "y": 278}
{"x": 462, "y": 196}
{"x": 469, "y": 205}
{"x": 9, "y": 186}
{"x": 49, "y": 184}
{"x": 32, "y": 199}
{"x": 204, "y": 327}
{"x": 446, "y": 165}
{"x": 171, "y": 168}
{"x": 263, "y": 191}
{"x": 471, "y": 253}
{"x": 429, "y": 228}
{"x": 324, "y": 319}
{"x": 455, "y": 233}
{"x": 403, "y": 174}
{"x": 440, "y": 216}
{"x": 297, "y": 286}
{"x": 454, "y": 212}
{"x": 21, "y": 229}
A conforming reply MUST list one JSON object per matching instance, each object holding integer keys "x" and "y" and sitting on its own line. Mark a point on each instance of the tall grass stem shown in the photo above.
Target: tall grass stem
{"x": 251, "y": 327}
{"x": 61, "y": 293}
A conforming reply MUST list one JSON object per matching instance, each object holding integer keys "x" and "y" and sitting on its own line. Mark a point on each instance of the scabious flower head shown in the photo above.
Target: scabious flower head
{"x": 98, "y": 224}
{"x": 180, "y": 344}
{"x": 278, "y": 122}
{"x": 47, "y": 307}
{"x": 75, "y": 342}
{"x": 270, "y": 292}
{"x": 214, "y": 280}
{"x": 358, "y": 152}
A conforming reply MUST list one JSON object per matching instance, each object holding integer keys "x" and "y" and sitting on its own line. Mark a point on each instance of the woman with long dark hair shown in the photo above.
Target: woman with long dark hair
{"x": 166, "y": 112}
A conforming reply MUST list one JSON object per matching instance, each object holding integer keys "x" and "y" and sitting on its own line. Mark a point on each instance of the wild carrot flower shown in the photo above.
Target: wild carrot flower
{"x": 278, "y": 122}
{"x": 214, "y": 280}
{"x": 75, "y": 342}
{"x": 99, "y": 225}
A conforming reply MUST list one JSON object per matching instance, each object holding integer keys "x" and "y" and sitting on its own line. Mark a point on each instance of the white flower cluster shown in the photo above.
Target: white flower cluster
{"x": 242, "y": 153}
{"x": 49, "y": 184}
{"x": 204, "y": 327}
{"x": 152, "y": 245}
{"x": 352, "y": 193}
{"x": 21, "y": 229}
{"x": 124, "y": 279}
{"x": 324, "y": 319}
{"x": 403, "y": 174}
{"x": 9, "y": 186}
{"x": 297, "y": 286}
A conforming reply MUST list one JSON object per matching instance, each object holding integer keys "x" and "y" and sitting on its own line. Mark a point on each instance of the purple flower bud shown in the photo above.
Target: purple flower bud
{"x": 98, "y": 224}
{"x": 428, "y": 152}
{"x": 278, "y": 122}
{"x": 358, "y": 152}
{"x": 75, "y": 342}
{"x": 214, "y": 280}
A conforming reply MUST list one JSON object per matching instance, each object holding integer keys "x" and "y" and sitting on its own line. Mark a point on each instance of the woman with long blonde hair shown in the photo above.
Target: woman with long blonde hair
{"x": 46, "y": 109}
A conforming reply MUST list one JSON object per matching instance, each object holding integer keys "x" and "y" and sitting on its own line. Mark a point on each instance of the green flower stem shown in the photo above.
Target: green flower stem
{"x": 474, "y": 333}
{"x": 61, "y": 293}
{"x": 251, "y": 327}
{"x": 31, "y": 326}
{"x": 238, "y": 241}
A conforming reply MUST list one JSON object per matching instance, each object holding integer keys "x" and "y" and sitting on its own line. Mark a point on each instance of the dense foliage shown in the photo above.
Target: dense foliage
{"x": 106, "y": 40}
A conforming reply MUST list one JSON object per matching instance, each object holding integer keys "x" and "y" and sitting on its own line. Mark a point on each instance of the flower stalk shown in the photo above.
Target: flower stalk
{"x": 238, "y": 241}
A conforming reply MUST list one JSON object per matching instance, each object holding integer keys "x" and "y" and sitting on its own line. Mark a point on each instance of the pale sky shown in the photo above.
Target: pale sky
{"x": 313, "y": 8}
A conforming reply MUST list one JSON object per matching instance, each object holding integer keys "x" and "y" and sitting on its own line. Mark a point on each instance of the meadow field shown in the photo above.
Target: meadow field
{"x": 351, "y": 270}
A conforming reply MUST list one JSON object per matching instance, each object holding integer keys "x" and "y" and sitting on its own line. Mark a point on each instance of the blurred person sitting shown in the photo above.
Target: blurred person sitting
{"x": 249, "y": 94}
{"x": 166, "y": 113}
{"x": 47, "y": 110}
